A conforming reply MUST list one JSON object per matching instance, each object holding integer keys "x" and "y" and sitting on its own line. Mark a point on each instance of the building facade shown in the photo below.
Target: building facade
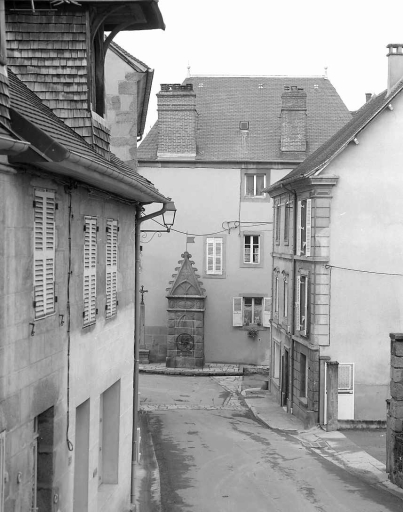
{"x": 67, "y": 266}
{"x": 218, "y": 142}
{"x": 336, "y": 261}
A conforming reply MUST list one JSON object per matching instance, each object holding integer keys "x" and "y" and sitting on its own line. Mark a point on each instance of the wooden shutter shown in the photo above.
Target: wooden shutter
{"x": 214, "y": 256}
{"x": 90, "y": 270}
{"x": 218, "y": 256}
{"x": 237, "y": 312}
{"x": 304, "y": 280}
{"x": 44, "y": 252}
{"x": 2, "y": 467}
{"x": 111, "y": 267}
{"x": 298, "y": 305}
{"x": 299, "y": 206}
{"x": 266, "y": 311}
{"x": 308, "y": 226}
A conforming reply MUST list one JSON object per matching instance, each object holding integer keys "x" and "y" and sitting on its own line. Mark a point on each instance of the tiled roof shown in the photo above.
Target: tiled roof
{"x": 335, "y": 144}
{"x": 29, "y": 105}
{"x": 222, "y": 102}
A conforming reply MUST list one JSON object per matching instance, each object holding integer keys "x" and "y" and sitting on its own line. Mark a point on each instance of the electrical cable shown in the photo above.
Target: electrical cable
{"x": 327, "y": 266}
{"x": 68, "y": 442}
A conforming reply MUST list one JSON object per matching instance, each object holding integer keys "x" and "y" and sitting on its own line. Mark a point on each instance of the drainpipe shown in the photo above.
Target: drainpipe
{"x": 139, "y": 220}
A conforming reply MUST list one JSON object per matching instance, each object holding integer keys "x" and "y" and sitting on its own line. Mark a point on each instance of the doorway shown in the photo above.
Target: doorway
{"x": 284, "y": 378}
{"x": 43, "y": 461}
{"x": 81, "y": 458}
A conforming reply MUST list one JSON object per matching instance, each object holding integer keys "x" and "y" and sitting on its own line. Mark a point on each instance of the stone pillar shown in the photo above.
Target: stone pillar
{"x": 394, "y": 436}
{"x": 332, "y": 387}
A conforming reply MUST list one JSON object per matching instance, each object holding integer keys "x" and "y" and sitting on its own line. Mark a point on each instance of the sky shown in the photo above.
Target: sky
{"x": 266, "y": 37}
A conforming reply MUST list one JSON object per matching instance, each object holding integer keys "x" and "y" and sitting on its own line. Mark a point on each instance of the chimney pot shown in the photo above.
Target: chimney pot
{"x": 368, "y": 96}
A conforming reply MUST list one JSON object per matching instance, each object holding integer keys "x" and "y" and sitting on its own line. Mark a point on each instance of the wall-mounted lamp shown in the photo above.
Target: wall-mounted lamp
{"x": 168, "y": 213}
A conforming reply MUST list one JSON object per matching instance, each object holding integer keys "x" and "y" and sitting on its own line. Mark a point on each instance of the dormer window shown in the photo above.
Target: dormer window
{"x": 244, "y": 126}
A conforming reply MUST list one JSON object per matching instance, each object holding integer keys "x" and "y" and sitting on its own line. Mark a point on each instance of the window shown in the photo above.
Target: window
{"x": 108, "y": 465}
{"x": 285, "y": 296}
{"x": 346, "y": 377}
{"x": 214, "y": 256}
{"x": 302, "y": 305}
{"x": 288, "y": 206}
{"x": 2, "y": 467}
{"x": 303, "y": 373}
{"x": 44, "y": 252}
{"x": 276, "y": 294}
{"x": 304, "y": 222}
{"x": 90, "y": 270}
{"x": 278, "y": 222}
{"x": 251, "y": 249}
{"x": 251, "y": 311}
{"x": 254, "y": 185}
{"x": 276, "y": 360}
{"x": 111, "y": 267}
{"x": 244, "y": 125}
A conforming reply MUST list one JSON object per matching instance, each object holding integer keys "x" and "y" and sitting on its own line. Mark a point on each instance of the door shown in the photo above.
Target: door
{"x": 346, "y": 391}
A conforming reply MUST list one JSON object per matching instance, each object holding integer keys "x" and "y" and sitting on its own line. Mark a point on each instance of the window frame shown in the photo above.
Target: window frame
{"x": 287, "y": 217}
{"x": 285, "y": 296}
{"x": 302, "y": 304}
{"x": 260, "y": 236}
{"x": 265, "y": 197}
{"x": 304, "y": 227}
{"x": 238, "y": 308}
{"x": 277, "y": 226}
{"x": 214, "y": 274}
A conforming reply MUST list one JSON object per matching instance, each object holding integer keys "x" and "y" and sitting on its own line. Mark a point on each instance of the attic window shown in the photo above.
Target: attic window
{"x": 244, "y": 125}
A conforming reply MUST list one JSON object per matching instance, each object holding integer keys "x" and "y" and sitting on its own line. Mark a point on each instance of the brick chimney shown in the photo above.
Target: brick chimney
{"x": 395, "y": 64}
{"x": 176, "y": 122}
{"x": 293, "y": 119}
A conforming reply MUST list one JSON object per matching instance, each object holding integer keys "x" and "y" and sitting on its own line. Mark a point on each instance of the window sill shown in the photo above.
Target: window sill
{"x": 253, "y": 326}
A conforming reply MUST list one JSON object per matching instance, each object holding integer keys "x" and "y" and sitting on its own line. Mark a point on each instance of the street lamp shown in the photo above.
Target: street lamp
{"x": 168, "y": 216}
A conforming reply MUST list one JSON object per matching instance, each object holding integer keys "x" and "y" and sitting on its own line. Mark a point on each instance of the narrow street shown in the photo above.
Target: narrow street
{"x": 213, "y": 455}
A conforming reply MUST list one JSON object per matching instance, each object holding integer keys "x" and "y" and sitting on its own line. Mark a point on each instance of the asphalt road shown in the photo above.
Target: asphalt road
{"x": 213, "y": 456}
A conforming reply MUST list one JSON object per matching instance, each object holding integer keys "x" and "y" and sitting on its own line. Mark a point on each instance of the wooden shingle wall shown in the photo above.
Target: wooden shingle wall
{"x": 4, "y": 101}
{"x": 49, "y": 53}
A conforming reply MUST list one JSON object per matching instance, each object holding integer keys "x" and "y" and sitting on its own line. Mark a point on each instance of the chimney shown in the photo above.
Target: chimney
{"x": 176, "y": 122}
{"x": 395, "y": 64}
{"x": 368, "y": 96}
{"x": 293, "y": 119}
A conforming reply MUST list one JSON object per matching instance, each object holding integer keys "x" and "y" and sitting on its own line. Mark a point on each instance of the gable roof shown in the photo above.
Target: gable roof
{"x": 222, "y": 102}
{"x": 53, "y": 141}
{"x": 339, "y": 141}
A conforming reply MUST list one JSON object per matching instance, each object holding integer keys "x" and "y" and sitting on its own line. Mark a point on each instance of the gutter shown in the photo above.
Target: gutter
{"x": 10, "y": 146}
{"x": 146, "y": 100}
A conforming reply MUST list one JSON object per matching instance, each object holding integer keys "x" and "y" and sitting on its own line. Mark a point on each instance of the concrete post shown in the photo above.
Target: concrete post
{"x": 394, "y": 436}
{"x": 332, "y": 386}
{"x": 322, "y": 388}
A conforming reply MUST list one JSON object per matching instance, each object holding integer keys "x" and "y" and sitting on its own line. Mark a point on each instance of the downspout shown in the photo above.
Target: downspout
{"x": 139, "y": 220}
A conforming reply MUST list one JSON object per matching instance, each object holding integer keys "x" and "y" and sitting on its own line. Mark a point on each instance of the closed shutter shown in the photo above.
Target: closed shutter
{"x": 44, "y": 253}
{"x": 214, "y": 256}
{"x": 299, "y": 206}
{"x": 266, "y": 311}
{"x": 90, "y": 270}
{"x": 2, "y": 467}
{"x": 298, "y": 305}
{"x": 111, "y": 267}
{"x": 237, "y": 315}
{"x": 308, "y": 226}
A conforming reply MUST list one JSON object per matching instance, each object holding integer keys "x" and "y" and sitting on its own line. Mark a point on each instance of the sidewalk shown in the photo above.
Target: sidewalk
{"x": 333, "y": 446}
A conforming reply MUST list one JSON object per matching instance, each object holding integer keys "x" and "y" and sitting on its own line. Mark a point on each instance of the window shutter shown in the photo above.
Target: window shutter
{"x": 218, "y": 256}
{"x": 266, "y": 311}
{"x": 2, "y": 467}
{"x": 308, "y": 226}
{"x": 44, "y": 253}
{"x": 210, "y": 255}
{"x": 304, "y": 332}
{"x": 237, "y": 313}
{"x": 90, "y": 270}
{"x": 298, "y": 305}
{"x": 111, "y": 267}
{"x": 299, "y": 228}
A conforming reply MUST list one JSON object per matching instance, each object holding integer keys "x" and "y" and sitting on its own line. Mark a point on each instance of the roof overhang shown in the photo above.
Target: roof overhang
{"x": 50, "y": 155}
